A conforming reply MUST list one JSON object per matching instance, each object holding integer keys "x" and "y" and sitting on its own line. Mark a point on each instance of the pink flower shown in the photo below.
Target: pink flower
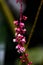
{"x": 20, "y": 36}
{"x": 23, "y": 40}
{"x": 24, "y": 17}
{"x": 22, "y": 49}
{"x": 21, "y": 25}
{"x": 16, "y": 39}
{"x": 18, "y": 46}
{"x": 24, "y": 30}
{"x": 17, "y": 29}
{"x": 16, "y": 22}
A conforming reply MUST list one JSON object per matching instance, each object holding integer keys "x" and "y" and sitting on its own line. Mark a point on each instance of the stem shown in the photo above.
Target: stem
{"x": 20, "y": 10}
{"x": 33, "y": 27}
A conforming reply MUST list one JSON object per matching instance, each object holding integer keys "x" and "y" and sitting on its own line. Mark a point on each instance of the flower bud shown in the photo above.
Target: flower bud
{"x": 23, "y": 41}
{"x": 17, "y": 29}
{"x": 24, "y": 18}
{"x": 20, "y": 57}
{"x": 28, "y": 64}
{"x": 24, "y": 30}
{"x": 20, "y": 36}
{"x": 21, "y": 25}
{"x": 16, "y": 22}
{"x": 18, "y": 46}
{"x": 23, "y": 61}
{"x": 26, "y": 54}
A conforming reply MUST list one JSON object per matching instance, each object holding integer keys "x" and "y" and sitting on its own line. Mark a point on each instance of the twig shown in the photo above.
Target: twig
{"x": 33, "y": 27}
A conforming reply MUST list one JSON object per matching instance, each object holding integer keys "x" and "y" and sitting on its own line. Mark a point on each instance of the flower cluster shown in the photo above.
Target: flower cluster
{"x": 24, "y": 59}
{"x": 19, "y": 35}
{"x": 20, "y": 38}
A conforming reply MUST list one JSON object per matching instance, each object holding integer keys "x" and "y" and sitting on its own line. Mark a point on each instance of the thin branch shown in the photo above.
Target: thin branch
{"x": 33, "y": 27}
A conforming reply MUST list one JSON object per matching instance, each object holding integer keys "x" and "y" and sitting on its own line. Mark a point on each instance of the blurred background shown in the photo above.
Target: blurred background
{"x": 9, "y": 11}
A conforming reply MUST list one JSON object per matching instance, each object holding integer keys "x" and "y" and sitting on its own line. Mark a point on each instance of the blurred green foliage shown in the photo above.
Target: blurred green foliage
{"x": 3, "y": 31}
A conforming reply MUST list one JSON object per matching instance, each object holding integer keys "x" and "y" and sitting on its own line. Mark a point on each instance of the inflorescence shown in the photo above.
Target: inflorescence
{"x": 20, "y": 30}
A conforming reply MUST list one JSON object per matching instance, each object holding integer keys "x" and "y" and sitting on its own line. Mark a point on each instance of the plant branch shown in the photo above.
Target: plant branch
{"x": 34, "y": 25}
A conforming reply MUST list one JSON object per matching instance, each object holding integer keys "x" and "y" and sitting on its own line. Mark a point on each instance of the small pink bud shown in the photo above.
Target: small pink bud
{"x": 24, "y": 17}
{"x": 20, "y": 57}
{"x": 30, "y": 62}
{"x": 20, "y": 36}
{"x": 16, "y": 39}
{"x": 26, "y": 54}
{"x": 18, "y": 46}
{"x": 23, "y": 41}
{"x": 17, "y": 29}
{"x": 22, "y": 49}
{"x": 23, "y": 61}
{"x": 24, "y": 30}
{"x": 22, "y": 25}
{"x": 16, "y": 22}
